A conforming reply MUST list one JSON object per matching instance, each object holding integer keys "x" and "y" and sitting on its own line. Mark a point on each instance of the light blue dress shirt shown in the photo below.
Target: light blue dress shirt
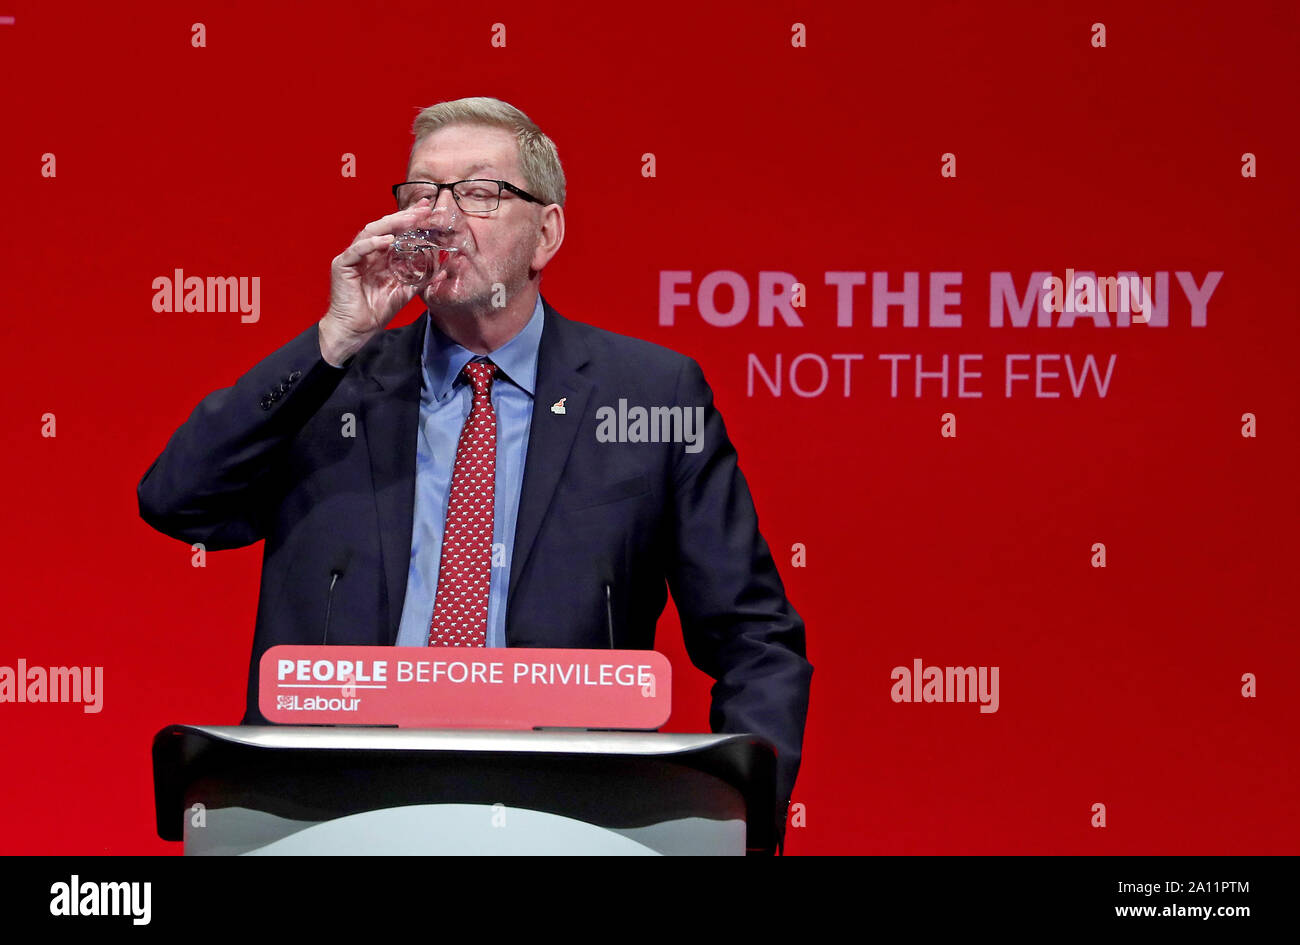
{"x": 445, "y": 399}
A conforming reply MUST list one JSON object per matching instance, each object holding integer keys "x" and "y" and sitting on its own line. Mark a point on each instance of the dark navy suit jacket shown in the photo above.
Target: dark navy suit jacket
{"x": 267, "y": 459}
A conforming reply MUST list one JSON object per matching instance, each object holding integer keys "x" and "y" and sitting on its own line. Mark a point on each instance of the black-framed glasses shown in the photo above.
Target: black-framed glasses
{"x": 472, "y": 196}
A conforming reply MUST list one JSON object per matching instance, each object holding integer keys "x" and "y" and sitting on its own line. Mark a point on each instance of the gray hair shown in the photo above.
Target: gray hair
{"x": 538, "y": 159}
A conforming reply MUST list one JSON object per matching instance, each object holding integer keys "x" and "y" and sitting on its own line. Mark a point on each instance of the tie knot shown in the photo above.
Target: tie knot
{"x": 480, "y": 374}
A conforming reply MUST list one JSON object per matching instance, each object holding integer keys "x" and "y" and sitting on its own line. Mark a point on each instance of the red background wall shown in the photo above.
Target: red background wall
{"x": 1119, "y": 685}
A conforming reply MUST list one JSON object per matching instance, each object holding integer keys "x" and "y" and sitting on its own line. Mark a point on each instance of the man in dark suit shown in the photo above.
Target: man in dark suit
{"x": 473, "y": 478}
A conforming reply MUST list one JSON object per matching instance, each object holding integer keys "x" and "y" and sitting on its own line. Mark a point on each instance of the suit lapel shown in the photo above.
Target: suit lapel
{"x": 390, "y": 419}
{"x": 560, "y": 354}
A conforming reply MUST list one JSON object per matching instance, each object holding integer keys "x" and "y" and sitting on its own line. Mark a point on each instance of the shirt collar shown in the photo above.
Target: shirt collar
{"x": 442, "y": 359}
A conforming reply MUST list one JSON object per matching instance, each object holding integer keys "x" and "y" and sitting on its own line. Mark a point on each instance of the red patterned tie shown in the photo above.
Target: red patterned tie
{"x": 465, "y": 569}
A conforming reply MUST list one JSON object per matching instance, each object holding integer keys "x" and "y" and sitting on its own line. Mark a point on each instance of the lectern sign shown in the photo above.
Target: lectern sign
{"x": 465, "y": 687}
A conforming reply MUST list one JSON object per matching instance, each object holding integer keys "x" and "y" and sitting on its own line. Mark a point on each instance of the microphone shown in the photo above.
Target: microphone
{"x": 609, "y": 612}
{"x": 337, "y": 570}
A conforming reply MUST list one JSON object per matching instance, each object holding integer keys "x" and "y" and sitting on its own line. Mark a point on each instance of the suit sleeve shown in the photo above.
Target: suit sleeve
{"x": 216, "y": 479}
{"x": 737, "y": 624}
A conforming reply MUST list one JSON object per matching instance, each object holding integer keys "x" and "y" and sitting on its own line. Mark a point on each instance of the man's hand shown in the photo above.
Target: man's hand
{"x": 364, "y": 293}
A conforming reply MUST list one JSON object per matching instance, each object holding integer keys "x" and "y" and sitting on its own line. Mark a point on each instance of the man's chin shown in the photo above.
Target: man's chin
{"x": 449, "y": 300}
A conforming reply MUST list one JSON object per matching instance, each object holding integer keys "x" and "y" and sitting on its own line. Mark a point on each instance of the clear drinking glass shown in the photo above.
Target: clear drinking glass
{"x": 417, "y": 255}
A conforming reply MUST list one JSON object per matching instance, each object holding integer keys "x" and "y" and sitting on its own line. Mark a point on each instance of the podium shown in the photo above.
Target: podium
{"x": 311, "y": 790}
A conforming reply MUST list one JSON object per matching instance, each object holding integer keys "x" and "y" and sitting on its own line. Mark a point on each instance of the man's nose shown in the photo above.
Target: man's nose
{"x": 445, "y": 216}
{"x": 445, "y": 205}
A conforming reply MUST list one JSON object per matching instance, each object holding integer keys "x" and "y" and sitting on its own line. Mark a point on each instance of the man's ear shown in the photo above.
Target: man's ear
{"x": 550, "y": 236}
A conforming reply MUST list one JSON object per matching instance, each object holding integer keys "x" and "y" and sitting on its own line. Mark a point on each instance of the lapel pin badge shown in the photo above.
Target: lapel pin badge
{"x": 558, "y": 406}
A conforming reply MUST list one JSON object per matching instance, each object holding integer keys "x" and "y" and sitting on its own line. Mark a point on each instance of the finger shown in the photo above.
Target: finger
{"x": 363, "y": 248}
